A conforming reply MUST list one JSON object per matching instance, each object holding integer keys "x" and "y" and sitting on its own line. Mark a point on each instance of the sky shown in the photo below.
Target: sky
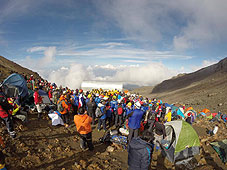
{"x": 139, "y": 42}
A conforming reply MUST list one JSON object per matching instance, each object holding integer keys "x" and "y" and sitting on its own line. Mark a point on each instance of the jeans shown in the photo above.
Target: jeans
{"x": 103, "y": 123}
{"x": 86, "y": 141}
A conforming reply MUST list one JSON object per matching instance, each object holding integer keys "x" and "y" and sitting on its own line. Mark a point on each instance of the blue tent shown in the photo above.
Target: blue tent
{"x": 179, "y": 112}
{"x": 17, "y": 81}
{"x": 46, "y": 99}
{"x": 168, "y": 105}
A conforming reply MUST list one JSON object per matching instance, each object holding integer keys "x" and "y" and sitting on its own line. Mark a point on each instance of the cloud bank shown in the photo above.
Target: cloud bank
{"x": 186, "y": 23}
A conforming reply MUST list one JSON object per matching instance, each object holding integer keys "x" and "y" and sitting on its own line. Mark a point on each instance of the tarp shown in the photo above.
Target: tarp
{"x": 221, "y": 148}
{"x": 56, "y": 119}
{"x": 180, "y": 113}
{"x": 18, "y": 81}
{"x": 190, "y": 108}
{"x": 46, "y": 99}
{"x": 168, "y": 105}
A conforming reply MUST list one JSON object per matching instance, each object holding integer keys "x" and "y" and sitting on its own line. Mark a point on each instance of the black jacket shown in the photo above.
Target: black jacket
{"x": 91, "y": 106}
{"x": 139, "y": 154}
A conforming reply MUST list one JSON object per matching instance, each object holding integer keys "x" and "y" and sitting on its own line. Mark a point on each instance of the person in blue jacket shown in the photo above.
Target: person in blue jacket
{"x": 75, "y": 102}
{"x": 102, "y": 119}
{"x": 114, "y": 106}
{"x": 134, "y": 120}
{"x": 140, "y": 152}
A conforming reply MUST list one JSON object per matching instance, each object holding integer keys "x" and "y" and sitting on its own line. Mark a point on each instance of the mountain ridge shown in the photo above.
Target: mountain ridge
{"x": 8, "y": 67}
{"x": 185, "y": 80}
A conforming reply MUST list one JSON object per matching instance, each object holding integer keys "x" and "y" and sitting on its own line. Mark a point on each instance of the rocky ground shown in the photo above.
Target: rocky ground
{"x": 40, "y": 145}
{"x": 209, "y": 93}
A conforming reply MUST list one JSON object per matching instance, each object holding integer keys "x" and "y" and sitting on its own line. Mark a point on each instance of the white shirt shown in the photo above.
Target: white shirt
{"x": 215, "y": 130}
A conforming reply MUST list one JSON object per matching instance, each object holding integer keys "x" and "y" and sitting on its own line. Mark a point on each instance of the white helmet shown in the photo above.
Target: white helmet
{"x": 138, "y": 105}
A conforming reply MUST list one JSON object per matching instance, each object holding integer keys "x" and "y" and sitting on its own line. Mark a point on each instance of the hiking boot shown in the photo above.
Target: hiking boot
{"x": 13, "y": 134}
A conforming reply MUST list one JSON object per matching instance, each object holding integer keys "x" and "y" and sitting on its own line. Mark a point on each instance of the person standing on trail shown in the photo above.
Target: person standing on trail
{"x": 38, "y": 101}
{"x": 114, "y": 106}
{"x": 63, "y": 108}
{"x": 91, "y": 106}
{"x": 5, "y": 107}
{"x": 83, "y": 126}
{"x": 160, "y": 133}
{"x": 134, "y": 120}
{"x": 102, "y": 115}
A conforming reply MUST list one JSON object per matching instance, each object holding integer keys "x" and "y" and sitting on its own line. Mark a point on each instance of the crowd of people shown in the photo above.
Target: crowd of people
{"x": 143, "y": 118}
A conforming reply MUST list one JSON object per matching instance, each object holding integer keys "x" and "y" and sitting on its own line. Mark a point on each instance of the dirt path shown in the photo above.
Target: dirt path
{"x": 42, "y": 146}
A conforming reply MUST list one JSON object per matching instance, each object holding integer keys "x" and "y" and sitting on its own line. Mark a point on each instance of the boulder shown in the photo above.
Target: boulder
{"x": 83, "y": 163}
{"x": 110, "y": 149}
{"x": 202, "y": 161}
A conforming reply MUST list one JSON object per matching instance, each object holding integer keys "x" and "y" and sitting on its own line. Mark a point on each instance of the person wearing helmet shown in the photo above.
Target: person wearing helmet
{"x": 114, "y": 106}
{"x": 134, "y": 120}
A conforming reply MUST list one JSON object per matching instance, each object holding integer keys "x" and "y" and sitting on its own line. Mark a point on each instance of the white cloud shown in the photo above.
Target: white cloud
{"x": 71, "y": 77}
{"x": 35, "y": 49}
{"x": 149, "y": 74}
{"x": 49, "y": 56}
{"x": 133, "y": 61}
{"x": 126, "y": 52}
{"x": 188, "y": 23}
{"x": 205, "y": 63}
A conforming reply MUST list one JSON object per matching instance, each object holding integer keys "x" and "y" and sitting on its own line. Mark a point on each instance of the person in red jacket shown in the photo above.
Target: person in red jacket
{"x": 38, "y": 101}
{"x": 50, "y": 95}
{"x": 5, "y": 107}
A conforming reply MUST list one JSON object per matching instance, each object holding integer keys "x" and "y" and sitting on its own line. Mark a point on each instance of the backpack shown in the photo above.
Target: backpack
{"x": 60, "y": 107}
{"x": 98, "y": 112}
{"x": 119, "y": 110}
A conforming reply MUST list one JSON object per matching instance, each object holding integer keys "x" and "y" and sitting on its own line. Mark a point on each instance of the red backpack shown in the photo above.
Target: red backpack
{"x": 119, "y": 110}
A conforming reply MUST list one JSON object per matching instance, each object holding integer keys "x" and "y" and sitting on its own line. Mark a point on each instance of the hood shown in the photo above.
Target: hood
{"x": 138, "y": 143}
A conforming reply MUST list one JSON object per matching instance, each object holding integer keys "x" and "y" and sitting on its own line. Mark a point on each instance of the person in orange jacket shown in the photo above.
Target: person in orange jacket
{"x": 65, "y": 112}
{"x": 83, "y": 126}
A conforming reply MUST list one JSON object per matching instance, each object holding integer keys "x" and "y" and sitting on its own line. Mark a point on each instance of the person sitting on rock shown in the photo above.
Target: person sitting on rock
{"x": 83, "y": 126}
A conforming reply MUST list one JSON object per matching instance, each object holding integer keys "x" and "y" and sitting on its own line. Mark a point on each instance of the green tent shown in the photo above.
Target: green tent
{"x": 221, "y": 148}
{"x": 182, "y": 141}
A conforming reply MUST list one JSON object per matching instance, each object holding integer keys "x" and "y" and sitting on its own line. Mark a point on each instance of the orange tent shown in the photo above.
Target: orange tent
{"x": 126, "y": 91}
{"x": 190, "y": 108}
{"x": 205, "y": 111}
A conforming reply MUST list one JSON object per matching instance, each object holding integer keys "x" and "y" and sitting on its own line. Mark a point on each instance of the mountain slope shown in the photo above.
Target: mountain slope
{"x": 205, "y": 88}
{"x": 188, "y": 79}
{"x": 8, "y": 67}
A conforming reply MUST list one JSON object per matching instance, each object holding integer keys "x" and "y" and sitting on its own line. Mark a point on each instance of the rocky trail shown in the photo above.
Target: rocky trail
{"x": 40, "y": 145}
